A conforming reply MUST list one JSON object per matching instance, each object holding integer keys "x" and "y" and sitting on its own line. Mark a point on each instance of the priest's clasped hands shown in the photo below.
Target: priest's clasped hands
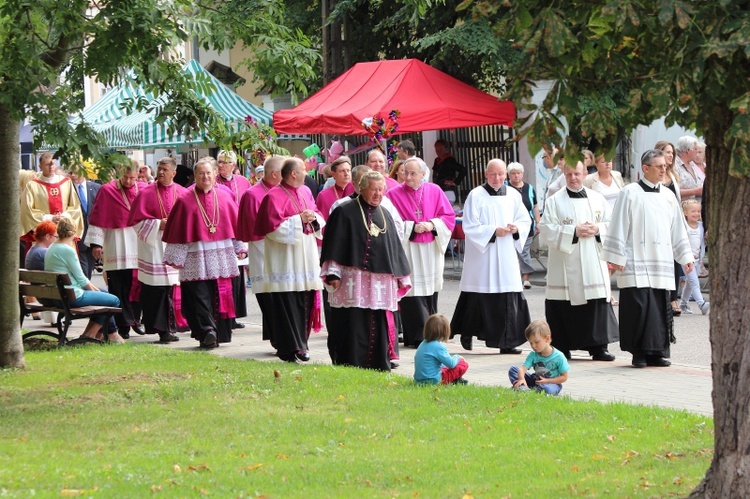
{"x": 587, "y": 229}
{"x": 504, "y": 231}
{"x": 307, "y": 216}
{"x": 421, "y": 227}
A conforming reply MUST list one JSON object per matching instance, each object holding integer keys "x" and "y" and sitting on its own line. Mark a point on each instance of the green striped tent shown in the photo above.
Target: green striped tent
{"x": 139, "y": 130}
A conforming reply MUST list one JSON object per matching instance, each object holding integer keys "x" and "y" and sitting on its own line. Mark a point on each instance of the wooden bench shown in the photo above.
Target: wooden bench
{"x": 51, "y": 286}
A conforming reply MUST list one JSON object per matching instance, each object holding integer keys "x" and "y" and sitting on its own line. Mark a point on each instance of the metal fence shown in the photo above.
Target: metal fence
{"x": 472, "y": 147}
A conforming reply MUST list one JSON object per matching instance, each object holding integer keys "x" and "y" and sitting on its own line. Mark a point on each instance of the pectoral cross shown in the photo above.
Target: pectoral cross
{"x": 418, "y": 212}
{"x": 350, "y": 285}
{"x": 379, "y": 287}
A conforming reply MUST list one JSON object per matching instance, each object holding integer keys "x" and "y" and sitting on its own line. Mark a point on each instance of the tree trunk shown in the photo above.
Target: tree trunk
{"x": 11, "y": 346}
{"x": 728, "y": 243}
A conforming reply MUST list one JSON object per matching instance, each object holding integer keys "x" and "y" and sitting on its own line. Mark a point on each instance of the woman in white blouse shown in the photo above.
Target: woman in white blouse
{"x": 606, "y": 182}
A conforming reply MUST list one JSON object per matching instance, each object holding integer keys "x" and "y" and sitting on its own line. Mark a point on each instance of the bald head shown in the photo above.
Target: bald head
{"x": 272, "y": 169}
{"x": 357, "y": 174}
{"x": 495, "y": 173}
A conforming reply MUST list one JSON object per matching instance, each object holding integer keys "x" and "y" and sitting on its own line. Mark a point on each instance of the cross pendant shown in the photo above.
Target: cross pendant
{"x": 418, "y": 213}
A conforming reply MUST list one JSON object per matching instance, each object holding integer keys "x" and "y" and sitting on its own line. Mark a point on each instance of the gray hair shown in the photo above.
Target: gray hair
{"x": 207, "y": 160}
{"x": 273, "y": 163}
{"x": 496, "y": 161}
{"x": 167, "y": 160}
{"x": 357, "y": 173}
{"x": 684, "y": 144}
{"x": 229, "y": 156}
{"x": 650, "y": 155}
{"x": 515, "y": 167}
{"x": 420, "y": 162}
{"x": 371, "y": 176}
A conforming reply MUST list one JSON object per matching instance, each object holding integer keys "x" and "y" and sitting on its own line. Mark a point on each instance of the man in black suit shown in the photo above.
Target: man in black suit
{"x": 86, "y": 191}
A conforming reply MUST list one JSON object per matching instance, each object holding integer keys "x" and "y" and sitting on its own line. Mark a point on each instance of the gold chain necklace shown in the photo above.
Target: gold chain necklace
{"x": 122, "y": 192}
{"x": 163, "y": 210}
{"x": 211, "y": 224}
{"x": 373, "y": 229}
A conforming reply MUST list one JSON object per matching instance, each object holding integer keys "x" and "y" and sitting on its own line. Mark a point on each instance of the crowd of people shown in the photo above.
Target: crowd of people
{"x": 366, "y": 255}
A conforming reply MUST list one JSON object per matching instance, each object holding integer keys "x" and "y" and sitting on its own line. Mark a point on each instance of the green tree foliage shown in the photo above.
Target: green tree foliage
{"x": 280, "y": 54}
{"x": 688, "y": 61}
{"x": 47, "y": 47}
{"x": 684, "y": 60}
{"x": 442, "y": 37}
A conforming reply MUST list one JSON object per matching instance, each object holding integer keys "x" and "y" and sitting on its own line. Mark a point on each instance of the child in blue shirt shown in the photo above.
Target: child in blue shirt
{"x": 549, "y": 364}
{"x": 432, "y": 362}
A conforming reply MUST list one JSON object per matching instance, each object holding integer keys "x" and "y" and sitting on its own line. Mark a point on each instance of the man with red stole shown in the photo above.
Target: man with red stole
{"x": 200, "y": 237}
{"x": 47, "y": 198}
{"x": 428, "y": 224}
{"x": 246, "y": 218}
{"x": 238, "y": 185}
{"x": 290, "y": 225}
{"x": 158, "y": 281}
{"x": 115, "y": 242}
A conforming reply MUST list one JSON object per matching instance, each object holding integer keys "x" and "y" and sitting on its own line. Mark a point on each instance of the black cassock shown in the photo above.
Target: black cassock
{"x": 360, "y": 336}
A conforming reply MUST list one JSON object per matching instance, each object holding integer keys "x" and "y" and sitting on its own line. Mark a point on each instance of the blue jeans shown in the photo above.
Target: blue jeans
{"x": 692, "y": 287}
{"x": 99, "y": 298}
{"x": 548, "y": 388}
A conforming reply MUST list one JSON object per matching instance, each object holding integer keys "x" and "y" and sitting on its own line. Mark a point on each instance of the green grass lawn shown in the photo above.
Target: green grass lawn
{"x": 140, "y": 420}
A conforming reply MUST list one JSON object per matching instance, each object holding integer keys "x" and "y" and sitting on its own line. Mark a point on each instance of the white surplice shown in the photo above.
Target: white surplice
{"x": 151, "y": 267}
{"x": 120, "y": 246}
{"x": 646, "y": 235}
{"x": 290, "y": 258}
{"x": 492, "y": 267}
{"x": 575, "y": 273}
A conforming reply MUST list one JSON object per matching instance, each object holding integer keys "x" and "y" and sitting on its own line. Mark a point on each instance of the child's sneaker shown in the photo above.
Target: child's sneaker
{"x": 461, "y": 381}
{"x": 705, "y": 308}
{"x": 685, "y": 309}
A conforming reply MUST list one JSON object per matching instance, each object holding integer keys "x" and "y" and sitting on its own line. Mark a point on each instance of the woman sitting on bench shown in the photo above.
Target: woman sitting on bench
{"x": 61, "y": 257}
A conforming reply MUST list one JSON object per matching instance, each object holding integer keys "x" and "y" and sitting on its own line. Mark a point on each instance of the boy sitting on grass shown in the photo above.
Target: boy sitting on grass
{"x": 549, "y": 364}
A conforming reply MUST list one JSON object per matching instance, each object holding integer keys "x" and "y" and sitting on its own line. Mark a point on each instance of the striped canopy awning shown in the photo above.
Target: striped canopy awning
{"x": 139, "y": 130}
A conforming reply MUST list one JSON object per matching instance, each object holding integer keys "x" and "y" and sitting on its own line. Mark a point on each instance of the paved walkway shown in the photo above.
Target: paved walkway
{"x": 687, "y": 384}
{"x": 679, "y": 386}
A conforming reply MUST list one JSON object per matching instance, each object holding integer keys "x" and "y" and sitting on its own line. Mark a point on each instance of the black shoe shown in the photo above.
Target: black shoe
{"x": 602, "y": 355}
{"x": 460, "y": 381}
{"x": 394, "y": 364}
{"x": 209, "y": 347}
{"x": 292, "y": 358}
{"x": 138, "y": 329}
{"x": 304, "y": 357}
{"x": 656, "y": 361}
{"x": 210, "y": 339}
{"x": 237, "y": 325}
{"x": 124, "y": 333}
{"x": 467, "y": 342}
{"x": 639, "y": 361}
{"x": 167, "y": 338}
{"x": 512, "y": 351}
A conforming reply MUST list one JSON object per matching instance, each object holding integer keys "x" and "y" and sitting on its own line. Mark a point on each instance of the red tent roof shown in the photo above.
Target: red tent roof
{"x": 427, "y": 99}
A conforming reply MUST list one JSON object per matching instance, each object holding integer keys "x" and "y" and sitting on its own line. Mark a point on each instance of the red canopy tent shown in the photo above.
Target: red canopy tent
{"x": 427, "y": 99}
